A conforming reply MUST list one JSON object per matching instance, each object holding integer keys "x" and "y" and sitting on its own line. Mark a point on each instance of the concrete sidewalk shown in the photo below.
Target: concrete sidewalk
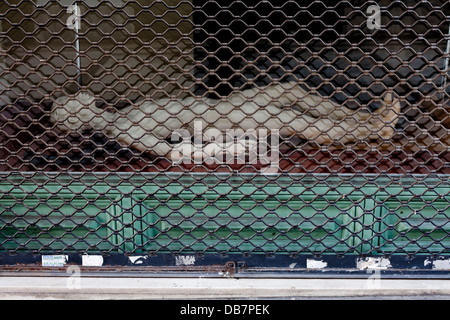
{"x": 215, "y": 288}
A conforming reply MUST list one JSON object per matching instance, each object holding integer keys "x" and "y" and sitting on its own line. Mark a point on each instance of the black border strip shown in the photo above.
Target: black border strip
{"x": 256, "y": 265}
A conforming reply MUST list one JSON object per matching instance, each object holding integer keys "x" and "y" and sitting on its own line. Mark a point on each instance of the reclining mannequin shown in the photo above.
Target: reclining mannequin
{"x": 285, "y": 107}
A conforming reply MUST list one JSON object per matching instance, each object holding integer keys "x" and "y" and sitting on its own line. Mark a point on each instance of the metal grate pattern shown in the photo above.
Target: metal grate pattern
{"x": 225, "y": 127}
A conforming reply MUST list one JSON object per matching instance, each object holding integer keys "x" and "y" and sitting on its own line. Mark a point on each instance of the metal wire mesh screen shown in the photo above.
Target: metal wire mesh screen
{"x": 256, "y": 127}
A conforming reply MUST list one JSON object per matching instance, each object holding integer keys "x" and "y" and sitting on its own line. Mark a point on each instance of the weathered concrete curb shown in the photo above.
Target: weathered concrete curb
{"x": 189, "y": 288}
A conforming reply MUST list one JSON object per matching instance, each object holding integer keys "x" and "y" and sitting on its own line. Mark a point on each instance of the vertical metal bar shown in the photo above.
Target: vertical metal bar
{"x": 446, "y": 64}
{"x": 77, "y": 42}
{"x": 74, "y": 23}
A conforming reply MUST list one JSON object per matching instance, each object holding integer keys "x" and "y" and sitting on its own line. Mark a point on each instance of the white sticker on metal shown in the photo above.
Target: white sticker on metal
{"x": 54, "y": 260}
{"x": 92, "y": 261}
{"x": 373, "y": 263}
{"x": 185, "y": 260}
{"x": 441, "y": 264}
{"x": 137, "y": 259}
{"x": 315, "y": 264}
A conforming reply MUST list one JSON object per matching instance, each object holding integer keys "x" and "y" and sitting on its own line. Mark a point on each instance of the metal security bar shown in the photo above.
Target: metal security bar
{"x": 248, "y": 134}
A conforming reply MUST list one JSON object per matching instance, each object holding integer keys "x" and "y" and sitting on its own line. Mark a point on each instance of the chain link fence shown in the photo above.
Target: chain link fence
{"x": 221, "y": 128}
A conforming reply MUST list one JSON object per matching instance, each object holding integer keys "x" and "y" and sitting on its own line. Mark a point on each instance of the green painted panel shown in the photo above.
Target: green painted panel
{"x": 54, "y": 224}
{"x": 248, "y": 225}
{"x": 125, "y": 227}
{"x": 169, "y": 214}
{"x": 417, "y": 225}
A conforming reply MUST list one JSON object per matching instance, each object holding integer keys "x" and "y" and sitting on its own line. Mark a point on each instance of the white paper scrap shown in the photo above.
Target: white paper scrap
{"x": 92, "y": 261}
